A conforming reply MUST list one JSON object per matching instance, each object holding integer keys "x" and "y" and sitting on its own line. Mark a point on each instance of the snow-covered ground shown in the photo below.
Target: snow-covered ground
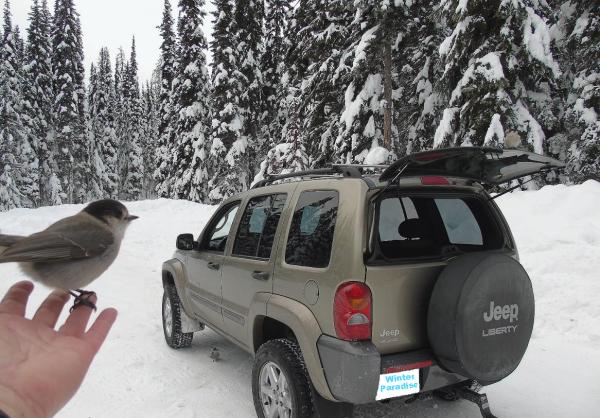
{"x": 557, "y": 230}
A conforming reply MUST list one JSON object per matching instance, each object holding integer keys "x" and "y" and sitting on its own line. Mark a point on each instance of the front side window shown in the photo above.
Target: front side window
{"x": 216, "y": 239}
{"x": 258, "y": 226}
{"x": 311, "y": 231}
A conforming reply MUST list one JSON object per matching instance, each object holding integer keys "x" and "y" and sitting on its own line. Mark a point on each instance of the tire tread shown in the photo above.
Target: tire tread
{"x": 290, "y": 353}
{"x": 178, "y": 338}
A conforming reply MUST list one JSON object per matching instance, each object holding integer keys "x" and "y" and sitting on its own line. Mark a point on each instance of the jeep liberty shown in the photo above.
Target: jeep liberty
{"x": 356, "y": 284}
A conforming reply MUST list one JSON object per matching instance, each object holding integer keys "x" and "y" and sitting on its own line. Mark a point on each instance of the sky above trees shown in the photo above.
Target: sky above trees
{"x": 102, "y": 26}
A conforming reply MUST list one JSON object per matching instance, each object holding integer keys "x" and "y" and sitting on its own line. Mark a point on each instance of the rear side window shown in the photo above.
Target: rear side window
{"x": 311, "y": 231}
{"x": 422, "y": 226}
{"x": 258, "y": 226}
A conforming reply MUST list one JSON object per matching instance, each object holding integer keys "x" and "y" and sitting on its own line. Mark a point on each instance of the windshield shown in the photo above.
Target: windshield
{"x": 417, "y": 226}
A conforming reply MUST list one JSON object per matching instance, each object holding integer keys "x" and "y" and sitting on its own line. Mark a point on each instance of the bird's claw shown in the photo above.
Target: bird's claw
{"x": 82, "y": 299}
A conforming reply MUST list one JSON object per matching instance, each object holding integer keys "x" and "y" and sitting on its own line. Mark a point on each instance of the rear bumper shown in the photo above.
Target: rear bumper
{"x": 352, "y": 369}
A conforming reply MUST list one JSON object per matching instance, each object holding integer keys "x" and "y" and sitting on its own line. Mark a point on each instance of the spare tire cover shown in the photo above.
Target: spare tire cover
{"x": 481, "y": 316}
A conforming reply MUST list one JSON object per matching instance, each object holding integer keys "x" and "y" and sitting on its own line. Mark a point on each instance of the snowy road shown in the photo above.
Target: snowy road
{"x": 557, "y": 230}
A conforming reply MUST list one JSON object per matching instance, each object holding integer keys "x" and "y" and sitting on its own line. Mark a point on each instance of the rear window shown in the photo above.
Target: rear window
{"x": 424, "y": 226}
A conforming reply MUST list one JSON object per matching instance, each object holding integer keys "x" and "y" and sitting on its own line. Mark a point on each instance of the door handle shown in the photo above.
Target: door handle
{"x": 213, "y": 266}
{"x": 260, "y": 275}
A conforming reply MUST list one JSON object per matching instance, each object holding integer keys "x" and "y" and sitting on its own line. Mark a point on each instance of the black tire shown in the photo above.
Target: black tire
{"x": 174, "y": 337}
{"x": 286, "y": 355}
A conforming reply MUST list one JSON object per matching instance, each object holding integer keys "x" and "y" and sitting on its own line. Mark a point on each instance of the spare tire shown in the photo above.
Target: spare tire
{"x": 481, "y": 316}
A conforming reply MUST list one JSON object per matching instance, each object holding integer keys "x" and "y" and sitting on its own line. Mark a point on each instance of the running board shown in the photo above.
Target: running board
{"x": 480, "y": 399}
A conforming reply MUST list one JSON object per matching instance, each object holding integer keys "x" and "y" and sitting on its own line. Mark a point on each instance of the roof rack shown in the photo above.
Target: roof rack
{"x": 343, "y": 170}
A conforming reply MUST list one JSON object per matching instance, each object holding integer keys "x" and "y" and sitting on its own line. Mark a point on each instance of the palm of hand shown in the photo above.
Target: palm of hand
{"x": 40, "y": 368}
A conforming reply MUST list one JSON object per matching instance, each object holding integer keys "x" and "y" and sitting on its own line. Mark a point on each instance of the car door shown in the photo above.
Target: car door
{"x": 491, "y": 166}
{"x": 205, "y": 265}
{"x": 249, "y": 268}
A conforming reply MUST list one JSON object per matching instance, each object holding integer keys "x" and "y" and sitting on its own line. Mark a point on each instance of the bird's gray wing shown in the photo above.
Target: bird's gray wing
{"x": 60, "y": 244}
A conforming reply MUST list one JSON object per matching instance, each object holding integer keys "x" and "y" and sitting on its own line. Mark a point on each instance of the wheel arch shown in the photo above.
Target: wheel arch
{"x": 287, "y": 318}
{"x": 173, "y": 273}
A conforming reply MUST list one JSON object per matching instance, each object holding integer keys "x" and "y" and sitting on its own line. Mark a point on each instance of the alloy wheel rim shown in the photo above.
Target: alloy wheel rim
{"x": 168, "y": 316}
{"x": 275, "y": 395}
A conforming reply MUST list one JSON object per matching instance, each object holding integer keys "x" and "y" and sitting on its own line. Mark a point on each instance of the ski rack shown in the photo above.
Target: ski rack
{"x": 355, "y": 171}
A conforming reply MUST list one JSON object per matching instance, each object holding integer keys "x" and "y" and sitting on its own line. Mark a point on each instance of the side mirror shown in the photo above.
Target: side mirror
{"x": 185, "y": 242}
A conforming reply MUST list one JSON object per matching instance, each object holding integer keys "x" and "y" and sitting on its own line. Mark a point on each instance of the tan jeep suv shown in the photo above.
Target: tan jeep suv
{"x": 357, "y": 284}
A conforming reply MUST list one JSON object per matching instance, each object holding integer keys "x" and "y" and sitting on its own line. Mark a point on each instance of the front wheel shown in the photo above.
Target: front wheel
{"x": 280, "y": 382}
{"x": 171, "y": 319}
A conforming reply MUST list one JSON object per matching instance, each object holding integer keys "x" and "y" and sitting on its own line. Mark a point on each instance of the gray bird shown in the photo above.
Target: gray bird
{"x": 73, "y": 252}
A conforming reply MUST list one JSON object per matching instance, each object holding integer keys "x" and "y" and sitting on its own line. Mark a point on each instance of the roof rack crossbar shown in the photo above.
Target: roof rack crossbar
{"x": 344, "y": 170}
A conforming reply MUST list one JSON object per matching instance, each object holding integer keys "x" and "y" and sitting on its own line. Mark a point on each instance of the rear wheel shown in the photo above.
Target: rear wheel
{"x": 171, "y": 319}
{"x": 280, "y": 383}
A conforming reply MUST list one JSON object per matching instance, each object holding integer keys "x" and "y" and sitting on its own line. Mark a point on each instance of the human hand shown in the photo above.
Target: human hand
{"x": 40, "y": 368}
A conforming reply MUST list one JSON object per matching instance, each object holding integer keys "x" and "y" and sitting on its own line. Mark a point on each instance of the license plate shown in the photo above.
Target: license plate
{"x": 392, "y": 385}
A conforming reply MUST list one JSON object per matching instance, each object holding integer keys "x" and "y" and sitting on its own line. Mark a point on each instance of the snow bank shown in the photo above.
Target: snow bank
{"x": 557, "y": 230}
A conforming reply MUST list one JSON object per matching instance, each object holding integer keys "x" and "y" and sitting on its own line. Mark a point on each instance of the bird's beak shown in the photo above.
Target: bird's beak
{"x": 132, "y": 218}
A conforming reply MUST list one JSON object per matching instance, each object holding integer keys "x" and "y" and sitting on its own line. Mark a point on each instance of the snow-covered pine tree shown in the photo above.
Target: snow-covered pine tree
{"x": 319, "y": 33}
{"x": 227, "y": 121}
{"x": 191, "y": 98}
{"x": 276, "y": 43}
{"x": 39, "y": 99}
{"x": 164, "y": 147}
{"x": 119, "y": 108}
{"x": 68, "y": 70}
{"x": 582, "y": 118}
{"x": 95, "y": 189}
{"x": 150, "y": 123}
{"x": 12, "y": 133}
{"x": 249, "y": 17}
{"x": 360, "y": 132}
{"x": 27, "y": 175}
{"x": 104, "y": 125}
{"x": 499, "y": 73}
{"x": 290, "y": 155}
{"x": 132, "y": 168}
{"x": 417, "y": 64}
{"x": 19, "y": 45}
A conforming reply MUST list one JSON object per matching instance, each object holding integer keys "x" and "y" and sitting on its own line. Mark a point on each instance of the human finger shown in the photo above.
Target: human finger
{"x": 100, "y": 328}
{"x": 50, "y": 309}
{"x": 77, "y": 321}
{"x": 15, "y": 300}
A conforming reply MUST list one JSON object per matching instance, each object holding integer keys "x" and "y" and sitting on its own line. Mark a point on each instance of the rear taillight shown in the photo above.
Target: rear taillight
{"x": 352, "y": 311}
{"x": 434, "y": 181}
